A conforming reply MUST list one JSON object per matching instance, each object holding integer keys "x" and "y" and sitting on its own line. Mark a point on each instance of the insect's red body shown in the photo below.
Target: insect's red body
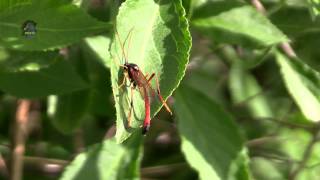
{"x": 138, "y": 79}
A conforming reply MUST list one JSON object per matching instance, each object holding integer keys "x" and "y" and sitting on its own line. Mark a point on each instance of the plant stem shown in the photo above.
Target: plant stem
{"x": 162, "y": 170}
{"x": 79, "y": 143}
{"x": 47, "y": 165}
{"x": 3, "y": 167}
{"x": 20, "y": 130}
{"x": 285, "y": 46}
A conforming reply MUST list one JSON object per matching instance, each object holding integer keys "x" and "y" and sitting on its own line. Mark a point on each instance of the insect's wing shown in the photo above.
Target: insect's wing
{"x": 144, "y": 87}
{"x": 142, "y": 83}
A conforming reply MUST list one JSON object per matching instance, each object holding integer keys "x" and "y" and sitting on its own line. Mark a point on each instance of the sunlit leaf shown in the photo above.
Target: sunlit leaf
{"x": 241, "y": 25}
{"x": 303, "y": 84}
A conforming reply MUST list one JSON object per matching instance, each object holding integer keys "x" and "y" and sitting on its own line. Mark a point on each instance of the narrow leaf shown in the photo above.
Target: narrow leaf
{"x": 241, "y": 25}
{"x": 107, "y": 160}
{"x": 303, "y": 84}
{"x": 211, "y": 141}
{"x": 57, "y": 24}
{"x": 160, "y": 44}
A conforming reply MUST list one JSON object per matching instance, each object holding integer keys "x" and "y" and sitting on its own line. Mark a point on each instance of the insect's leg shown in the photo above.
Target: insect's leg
{"x": 159, "y": 95}
{"x": 131, "y": 106}
{"x": 151, "y": 77}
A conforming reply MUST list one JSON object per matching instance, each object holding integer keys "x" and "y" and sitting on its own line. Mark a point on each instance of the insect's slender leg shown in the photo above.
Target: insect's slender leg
{"x": 148, "y": 81}
{"x": 131, "y": 106}
{"x": 151, "y": 77}
{"x": 160, "y": 97}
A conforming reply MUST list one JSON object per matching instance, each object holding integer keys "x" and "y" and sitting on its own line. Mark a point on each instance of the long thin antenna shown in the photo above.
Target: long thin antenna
{"x": 124, "y": 43}
{"x": 122, "y": 46}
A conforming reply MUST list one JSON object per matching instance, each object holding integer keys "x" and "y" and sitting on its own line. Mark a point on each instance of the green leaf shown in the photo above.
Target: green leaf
{"x": 244, "y": 88}
{"x": 211, "y": 141}
{"x": 241, "y": 25}
{"x": 107, "y": 160}
{"x": 160, "y": 44}
{"x": 303, "y": 84}
{"x": 30, "y": 75}
{"x": 58, "y": 24}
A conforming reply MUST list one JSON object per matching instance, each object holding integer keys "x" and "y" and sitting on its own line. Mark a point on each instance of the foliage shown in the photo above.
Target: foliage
{"x": 245, "y": 106}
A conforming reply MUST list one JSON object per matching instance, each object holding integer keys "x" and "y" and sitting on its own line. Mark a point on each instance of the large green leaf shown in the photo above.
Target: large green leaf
{"x": 160, "y": 44}
{"x": 58, "y": 24}
{"x": 107, "y": 160}
{"x": 211, "y": 141}
{"x": 303, "y": 83}
{"x": 32, "y": 75}
{"x": 241, "y": 25}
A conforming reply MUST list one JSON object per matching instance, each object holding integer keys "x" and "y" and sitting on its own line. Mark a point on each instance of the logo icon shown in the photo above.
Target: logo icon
{"x": 29, "y": 29}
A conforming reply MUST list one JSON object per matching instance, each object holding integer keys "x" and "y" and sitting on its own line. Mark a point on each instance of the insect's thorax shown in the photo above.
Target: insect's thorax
{"x": 133, "y": 72}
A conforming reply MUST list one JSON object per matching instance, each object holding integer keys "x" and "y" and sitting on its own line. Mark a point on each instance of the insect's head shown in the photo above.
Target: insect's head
{"x": 130, "y": 67}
